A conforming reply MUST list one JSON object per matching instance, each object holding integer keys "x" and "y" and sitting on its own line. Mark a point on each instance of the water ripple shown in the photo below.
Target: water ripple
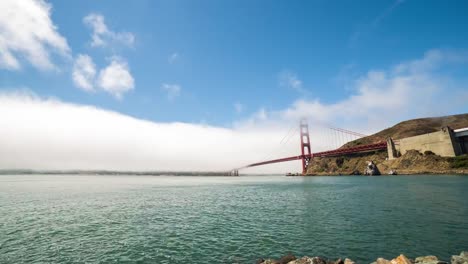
{"x": 92, "y": 219}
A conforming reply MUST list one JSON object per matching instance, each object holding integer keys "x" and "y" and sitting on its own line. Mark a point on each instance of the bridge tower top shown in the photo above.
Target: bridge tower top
{"x": 305, "y": 144}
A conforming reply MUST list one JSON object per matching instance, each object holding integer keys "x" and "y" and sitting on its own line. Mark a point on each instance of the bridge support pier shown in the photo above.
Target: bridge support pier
{"x": 305, "y": 145}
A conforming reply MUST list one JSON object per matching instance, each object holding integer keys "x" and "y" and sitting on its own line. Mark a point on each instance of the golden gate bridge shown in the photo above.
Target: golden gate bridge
{"x": 306, "y": 155}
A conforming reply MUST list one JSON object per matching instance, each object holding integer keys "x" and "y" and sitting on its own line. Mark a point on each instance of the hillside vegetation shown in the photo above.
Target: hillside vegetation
{"x": 412, "y": 162}
{"x": 413, "y": 127}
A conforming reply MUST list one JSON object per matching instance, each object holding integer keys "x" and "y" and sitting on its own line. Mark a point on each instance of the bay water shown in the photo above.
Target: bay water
{"x": 169, "y": 219}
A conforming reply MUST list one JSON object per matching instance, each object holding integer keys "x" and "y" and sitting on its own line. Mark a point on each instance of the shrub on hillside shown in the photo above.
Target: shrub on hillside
{"x": 339, "y": 162}
{"x": 459, "y": 162}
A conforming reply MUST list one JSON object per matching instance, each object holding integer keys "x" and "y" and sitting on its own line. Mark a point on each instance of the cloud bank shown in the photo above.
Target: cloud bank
{"x": 44, "y": 133}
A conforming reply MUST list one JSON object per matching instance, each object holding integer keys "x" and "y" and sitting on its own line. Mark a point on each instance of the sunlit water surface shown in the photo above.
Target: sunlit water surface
{"x": 151, "y": 219}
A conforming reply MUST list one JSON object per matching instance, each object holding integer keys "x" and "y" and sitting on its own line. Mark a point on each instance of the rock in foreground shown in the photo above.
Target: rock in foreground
{"x": 401, "y": 259}
{"x": 461, "y": 259}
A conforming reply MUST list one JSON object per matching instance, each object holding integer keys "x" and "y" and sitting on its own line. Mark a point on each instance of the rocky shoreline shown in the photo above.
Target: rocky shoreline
{"x": 411, "y": 163}
{"x": 402, "y": 259}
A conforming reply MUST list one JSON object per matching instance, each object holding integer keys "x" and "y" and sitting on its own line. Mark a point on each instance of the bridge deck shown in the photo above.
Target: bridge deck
{"x": 329, "y": 153}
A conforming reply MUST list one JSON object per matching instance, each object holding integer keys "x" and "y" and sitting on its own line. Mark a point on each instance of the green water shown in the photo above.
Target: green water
{"x": 144, "y": 219}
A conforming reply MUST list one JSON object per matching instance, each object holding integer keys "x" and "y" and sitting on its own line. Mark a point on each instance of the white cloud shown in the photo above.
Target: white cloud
{"x": 116, "y": 78}
{"x": 290, "y": 80}
{"x": 173, "y": 58}
{"x": 239, "y": 107}
{"x": 68, "y": 136}
{"x": 382, "y": 97}
{"x": 102, "y": 36}
{"x": 172, "y": 90}
{"x": 432, "y": 60}
{"x": 27, "y": 31}
{"x": 84, "y": 72}
{"x": 41, "y": 133}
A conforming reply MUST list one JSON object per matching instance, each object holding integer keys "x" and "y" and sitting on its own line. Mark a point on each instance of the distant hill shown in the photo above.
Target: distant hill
{"x": 413, "y": 127}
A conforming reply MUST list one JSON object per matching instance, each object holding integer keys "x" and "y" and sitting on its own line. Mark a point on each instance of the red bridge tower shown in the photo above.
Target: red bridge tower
{"x": 305, "y": 145}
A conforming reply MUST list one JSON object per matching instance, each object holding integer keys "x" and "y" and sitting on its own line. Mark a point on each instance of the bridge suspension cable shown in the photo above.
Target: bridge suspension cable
{"x": 293, "y": 130}
{"x": 337, "y": 136}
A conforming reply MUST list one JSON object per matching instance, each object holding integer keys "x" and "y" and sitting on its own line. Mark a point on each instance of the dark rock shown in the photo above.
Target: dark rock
{"x": 286, "y": 259}
{"x": 371, "y": 169}
{"x": 339, "y": 261}
{"x": 259, "y": 261}
{"x": 318, "y": 260}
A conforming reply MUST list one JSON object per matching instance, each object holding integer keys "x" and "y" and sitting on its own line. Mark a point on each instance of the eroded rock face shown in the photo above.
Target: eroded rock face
{"x": 402, "y": 259}
{"x": 461, "y": 259}
{"x": 348, "y": 261}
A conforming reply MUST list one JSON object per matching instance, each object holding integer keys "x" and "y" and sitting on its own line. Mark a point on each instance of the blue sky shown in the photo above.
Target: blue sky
{"x": 240, "y": 65}
{"x": 235, "y": 51}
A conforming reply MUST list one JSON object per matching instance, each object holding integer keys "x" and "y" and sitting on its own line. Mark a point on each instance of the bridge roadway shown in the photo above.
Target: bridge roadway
{"x": 329, "y": 153}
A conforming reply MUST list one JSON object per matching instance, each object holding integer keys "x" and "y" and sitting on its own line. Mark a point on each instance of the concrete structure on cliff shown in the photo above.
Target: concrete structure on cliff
{"x": 445, "y": 143}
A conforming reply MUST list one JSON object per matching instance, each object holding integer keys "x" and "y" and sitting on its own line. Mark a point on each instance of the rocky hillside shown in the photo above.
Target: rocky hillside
{"x": 413, "y": 127}
{"x": 412, "y": 162}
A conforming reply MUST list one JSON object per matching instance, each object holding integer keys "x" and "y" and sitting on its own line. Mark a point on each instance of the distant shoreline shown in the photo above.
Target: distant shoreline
{"x": 212, "y": 174}
{"x": 106, "y": 172}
